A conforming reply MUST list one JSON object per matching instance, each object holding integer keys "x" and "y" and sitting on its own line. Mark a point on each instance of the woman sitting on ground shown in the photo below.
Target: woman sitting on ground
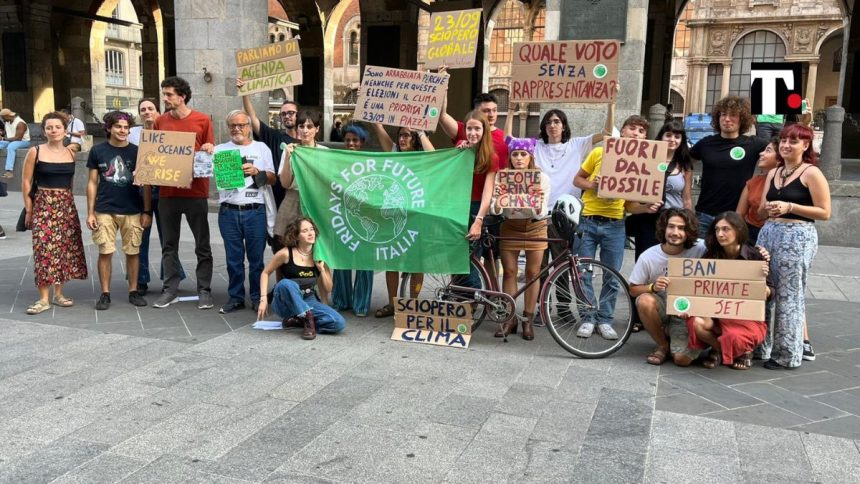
{"x": 295, "y": 298}
{"x": 731, "y": 340}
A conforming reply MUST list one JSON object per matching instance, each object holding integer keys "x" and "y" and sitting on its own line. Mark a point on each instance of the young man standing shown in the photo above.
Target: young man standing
{"x": 728, "y": 159}
{"x": 489, "y": 106}
{"x": 174, "y": 202}
{"x": 677, "y": 231}
{"x": 16, "y": 135}
{"x": 242, "y": 218}
{"x": 602, "y": 226}
{"x": 114, "y": 204}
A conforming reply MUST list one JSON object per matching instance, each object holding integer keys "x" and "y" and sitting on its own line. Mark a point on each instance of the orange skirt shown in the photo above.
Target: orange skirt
{"x": 525, "y": 228}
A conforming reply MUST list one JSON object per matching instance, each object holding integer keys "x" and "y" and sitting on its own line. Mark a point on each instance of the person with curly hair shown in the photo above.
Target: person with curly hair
{"x": 301, "y": 298}
{"x": 677, "y": 231}
{"x": 728, "y": 157}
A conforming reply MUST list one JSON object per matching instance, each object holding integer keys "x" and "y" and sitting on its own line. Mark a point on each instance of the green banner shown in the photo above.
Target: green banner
{"x": 227, "y": 169}
{"x": 388, "y": 211}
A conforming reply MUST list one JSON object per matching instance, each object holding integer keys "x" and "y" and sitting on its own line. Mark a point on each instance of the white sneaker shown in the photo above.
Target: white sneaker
{"x": 606, "y": 331}
{"x": 585, "y": 330}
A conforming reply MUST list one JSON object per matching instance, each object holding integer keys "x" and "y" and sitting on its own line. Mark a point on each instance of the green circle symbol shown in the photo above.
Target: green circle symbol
{"x": 663, "y": 167}
{"x": 434, "y": 112}
{"x": 600, "y": 71}
{"x": 737, "y": 153}
{"x": 462, "y": 328}
{"x": 682, "y": 304}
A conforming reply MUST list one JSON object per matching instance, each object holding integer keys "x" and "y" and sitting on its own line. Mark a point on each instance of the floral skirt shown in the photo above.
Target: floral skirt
{"x": 58, "y": 250}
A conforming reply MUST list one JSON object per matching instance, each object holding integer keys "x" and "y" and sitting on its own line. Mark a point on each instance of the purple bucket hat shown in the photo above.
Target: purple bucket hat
{"x": 525, "y": 144}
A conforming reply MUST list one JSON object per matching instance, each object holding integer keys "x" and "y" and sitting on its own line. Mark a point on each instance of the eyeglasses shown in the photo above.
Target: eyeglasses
{"x": 404, "y": 135}
{"x": 238, "y": 126}
{"x": 285, "y": 114}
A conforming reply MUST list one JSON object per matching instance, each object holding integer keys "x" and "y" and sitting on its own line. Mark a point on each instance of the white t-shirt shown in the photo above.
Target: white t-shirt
{"x": 11, "y": 128}
{"x": 261, "y": 156}
{"x": 654, "y": 263}
{"x": 134, "y": 135}
{"x": 75, "y": 125}
{"x": 560, "y": 162}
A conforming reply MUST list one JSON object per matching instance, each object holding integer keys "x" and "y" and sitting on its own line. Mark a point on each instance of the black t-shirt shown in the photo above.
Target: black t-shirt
{"x": 273, "y": 139}
{"x": 116, "y": 193}
{"x": 727, "y": 164}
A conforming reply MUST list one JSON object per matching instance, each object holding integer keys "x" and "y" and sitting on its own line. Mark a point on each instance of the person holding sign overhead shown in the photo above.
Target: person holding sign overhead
{"x": 796, "y": 195}
{"x": 732, "y": 341}
{"x": 603, "y": 226}
{"x": 301, "y": 298}
{"x": 407, "y": 140}
{"x": 247, "y": 213}
{"x": 174, "y": 202}
{"x": 526, "y": 223}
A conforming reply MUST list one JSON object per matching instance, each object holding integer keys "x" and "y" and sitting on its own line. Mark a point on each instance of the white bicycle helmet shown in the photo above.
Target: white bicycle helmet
{"x": 565, "y": 215}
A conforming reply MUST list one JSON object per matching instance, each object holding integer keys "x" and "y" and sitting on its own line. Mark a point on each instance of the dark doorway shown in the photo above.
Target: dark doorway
{"x": 383, "y": 45}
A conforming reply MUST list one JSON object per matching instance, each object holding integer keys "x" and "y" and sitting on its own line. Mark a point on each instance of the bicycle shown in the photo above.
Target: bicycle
{"x": 566, "y": 299}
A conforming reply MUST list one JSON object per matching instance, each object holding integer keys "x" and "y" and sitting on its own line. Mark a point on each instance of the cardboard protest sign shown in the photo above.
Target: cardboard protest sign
{"x": 272, "y": 66}
{"x": 453, "y": 38}
{"x": 165, "y": 158}
{"x": 733, "y": 289}
{"x": 581, "y": 71}
{"x": 519, "y": 189}
{"x": 633, "y": 169}
{"x": 441, "y": 323}
{"x": 227, "y": 168}
{"x": 400, "y": 97}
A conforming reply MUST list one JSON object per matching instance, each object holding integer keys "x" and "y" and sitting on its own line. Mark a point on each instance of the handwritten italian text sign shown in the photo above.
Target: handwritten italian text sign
{"x": 400, "y": 97}
{"x": 583, "y": 71}
{"x": 165, "y": 158}
{"x": 427, "y": 321}
{"x": 633, "y": 169}
{"x": 453, "y": 39}
{"x": 272, "y": 66}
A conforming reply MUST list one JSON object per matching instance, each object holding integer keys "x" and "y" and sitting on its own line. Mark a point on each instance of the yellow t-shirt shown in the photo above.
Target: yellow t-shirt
{"x": 591, "y": 203}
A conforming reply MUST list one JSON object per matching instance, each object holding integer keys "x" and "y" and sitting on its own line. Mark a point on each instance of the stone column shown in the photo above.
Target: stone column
{"x": 831, "y": 146}
{"x": 208, "y": 32}
{"x": 552, "y": 19}
{"x": 727, "y": 77}
{"x": 812, "y": 76}
{"x": 696, "y": 86}
{"x": 656, "y": 119}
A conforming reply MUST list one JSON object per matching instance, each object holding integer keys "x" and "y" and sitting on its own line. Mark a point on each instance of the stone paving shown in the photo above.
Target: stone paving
{"x": 180, "y": 394}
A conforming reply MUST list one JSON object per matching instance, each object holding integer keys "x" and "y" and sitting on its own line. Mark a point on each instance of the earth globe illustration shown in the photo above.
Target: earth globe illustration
{"x": 375, "y": 208}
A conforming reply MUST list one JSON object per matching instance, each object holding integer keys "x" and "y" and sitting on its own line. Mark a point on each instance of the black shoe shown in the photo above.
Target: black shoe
{"x": 232, "y": 306}
{"x": 2, "y": 233}
{"x": 142, "y": 289}
{"x": 808, "y": 353}
{"x": 103, "y": 302}
{"x": 137, "y": 299}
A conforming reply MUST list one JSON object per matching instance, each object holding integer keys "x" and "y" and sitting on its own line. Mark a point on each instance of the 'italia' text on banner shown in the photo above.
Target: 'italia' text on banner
{"x": 388, "y": 211}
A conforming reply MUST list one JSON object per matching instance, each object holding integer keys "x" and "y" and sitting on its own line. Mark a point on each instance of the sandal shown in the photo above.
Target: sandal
{"x": 637, "y": 327}
{"x": 658, "y": 356}
{"x": 385, "y": 311}
{"x": 39, "y": 306}
{"x": 712, "y": 360}
{"x": 63, "y": 301}
{"x": 743, "y": 362}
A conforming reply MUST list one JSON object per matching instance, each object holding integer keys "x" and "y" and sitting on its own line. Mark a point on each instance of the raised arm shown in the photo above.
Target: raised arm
{"x": 249, "y": 108}
{"x": 426, "y": 144}
{"x": 610, "y": 123}
{"x": 286, "y": 176}
{"x": 509, "y": 120}
{"x": 446, "y": 121}
{"x": 382, "y": 135}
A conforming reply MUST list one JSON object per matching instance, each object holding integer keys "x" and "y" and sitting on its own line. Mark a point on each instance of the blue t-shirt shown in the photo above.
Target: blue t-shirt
{"x": 116, "y": 193}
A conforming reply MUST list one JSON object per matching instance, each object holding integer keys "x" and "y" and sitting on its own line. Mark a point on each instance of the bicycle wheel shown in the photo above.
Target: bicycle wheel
{"x": 437, "y": 284}
{"x": 568, "y": 305}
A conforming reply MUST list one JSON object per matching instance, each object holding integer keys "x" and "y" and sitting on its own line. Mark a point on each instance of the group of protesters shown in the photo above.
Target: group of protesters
{"x": 736, "y": 209}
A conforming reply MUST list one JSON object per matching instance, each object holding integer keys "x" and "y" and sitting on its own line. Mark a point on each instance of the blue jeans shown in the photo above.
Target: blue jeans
{"x": 345, "y": 295}
{"x": 244, "y": 234}
{"x": 143, "y": 276}
{"x": 288, "y": 301}
{"x": 609, "y": 236}
{"x": 11, "y": 146}
{"x": 705, "y": 222}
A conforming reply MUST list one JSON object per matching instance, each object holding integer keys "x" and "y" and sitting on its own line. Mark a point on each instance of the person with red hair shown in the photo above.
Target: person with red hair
{"x": 796, "y": 195}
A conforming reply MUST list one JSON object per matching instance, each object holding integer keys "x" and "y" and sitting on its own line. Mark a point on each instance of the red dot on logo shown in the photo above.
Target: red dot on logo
{"x": 794, "y": 100}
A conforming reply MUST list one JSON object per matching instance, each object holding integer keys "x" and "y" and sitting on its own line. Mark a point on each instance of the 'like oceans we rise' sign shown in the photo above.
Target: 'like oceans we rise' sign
{"x": 581, "y": 71}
